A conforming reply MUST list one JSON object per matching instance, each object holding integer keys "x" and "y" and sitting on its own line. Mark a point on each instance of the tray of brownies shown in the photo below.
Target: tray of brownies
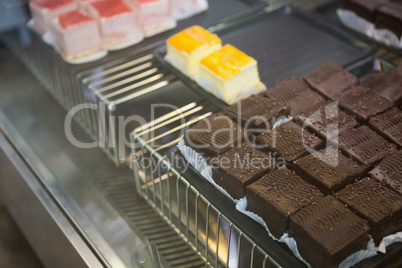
{"x": 326, "y": 181}
{"x": 311, "y": 153}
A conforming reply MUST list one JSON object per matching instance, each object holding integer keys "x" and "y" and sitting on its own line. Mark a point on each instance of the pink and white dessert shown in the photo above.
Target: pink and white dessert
{"x": 117, "y": 21}
{"x": 44, "y": 11}
{"x": 154, "y": 15}
{"x": 84, "y": 4}
{"x": 183, "y": 9}
{"x": 76, "y": 34}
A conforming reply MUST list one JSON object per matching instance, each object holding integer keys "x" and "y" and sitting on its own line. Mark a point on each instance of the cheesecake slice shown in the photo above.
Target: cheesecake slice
{"x": 76, "y": 34}
{"x": 44, "y": 11}
{"x": 230, "y": 75}
{"x": 154, "y": 15}
{"x": 117, "y": 21}
{"x": 186, "y": 49}
{"x": 183, "y": 9}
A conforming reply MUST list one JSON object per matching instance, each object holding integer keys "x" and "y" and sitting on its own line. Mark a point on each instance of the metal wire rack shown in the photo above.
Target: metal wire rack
{"x": 206, "y": 229}
{"x": 113, "y": 85}
{"x": 201, "y": 224}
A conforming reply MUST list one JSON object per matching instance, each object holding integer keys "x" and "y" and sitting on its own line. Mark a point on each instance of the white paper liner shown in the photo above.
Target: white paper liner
{"x": 350, "y": 261}
{"x": 187, "y": 10}
{"x": 388, "y": 240}
{"x": 245, "y": 92}
{"x": 199, "y": 163}
{"x": 361, "y": 25}
{"x": 49, "y": 39}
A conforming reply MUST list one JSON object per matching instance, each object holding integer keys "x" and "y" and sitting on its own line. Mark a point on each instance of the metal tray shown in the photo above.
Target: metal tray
{"x": 205, "y": 218}
{"x": 286, "y": 42}
{"x": 328, "y": 12}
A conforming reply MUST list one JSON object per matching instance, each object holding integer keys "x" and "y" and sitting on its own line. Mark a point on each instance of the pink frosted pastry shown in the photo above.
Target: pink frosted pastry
{"x": 76, "y": 34}
{"x": 154, "y": 15}
{"x": 44, "y": 11}
{"x": 182, "y": 9}
{"x": 117, "y": 21}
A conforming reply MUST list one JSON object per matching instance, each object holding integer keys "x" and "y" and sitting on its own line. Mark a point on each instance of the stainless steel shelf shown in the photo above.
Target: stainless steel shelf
{"x": 74, "y": 205}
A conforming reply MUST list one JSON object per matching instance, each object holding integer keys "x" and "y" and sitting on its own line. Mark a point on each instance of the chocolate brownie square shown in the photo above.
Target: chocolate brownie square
{"x": 389, "y": 171}
{"x": 364, "y": 102}
{"x": 239, "y": 167}
{"x": 327, "y": 120}
{"x": 214, "y": 135}
{"x": 365, "y": 145}
{"x": 326, "y": 232}
{"x": 329, "y": 170}
{"x": 331, "y": 80}
{"x": 278, "y": 195}
{"x": 376, "y": 203}
{"x": 257, "y": 113}
{"x": 289, "y": 140}
{"x": 386, "y": 83}
{"x": 294, "y": 93}
{"x": 389, "y": 16}
{"x": 389, "y": 125}
{"x": 363, "y": 8}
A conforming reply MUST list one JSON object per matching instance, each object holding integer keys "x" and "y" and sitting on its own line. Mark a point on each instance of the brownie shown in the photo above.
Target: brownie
{"x": 299, "y": 105}
{"x": 389, "y": 125}
{"x": 326, "y": 232}
{"x": 294, "y": 93}
{"x": 387, "y": 83}
{"x": 214, "y": 135}
{"x": 363, "y": 8}
{"x": 331, "y": 80}
{"x": 256, "y": 112}
{"x": 239, "y": 167}
{"x": 329, "y": 170}
{"x": 393, "y": 92}
{"x": 364, "y": 102}
{"x": 327, "y": 120}
{"x": 278, "y": 195}
{"x": 286, "y": 89}
{"x": 365, "y": 145}
{"x": 289, "y": 140}
{"x": 389, "y": 16}
{"x": 376, "y": 203}
{"x": 389, "y": 171}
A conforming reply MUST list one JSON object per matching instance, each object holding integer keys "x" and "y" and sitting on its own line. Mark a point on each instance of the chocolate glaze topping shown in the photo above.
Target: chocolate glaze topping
{"x": 277, "y": 195}
{"x": 375, "y": 202}
{"x": 331, "y": 80}
{"x": 327, "y": 232}
{"x": 389, "y": 125}
{"x": 389, "y": 171}
{"x": 289, "y": 141}
{"x": 365, "y": 145}
{"x": 329, "y": 171}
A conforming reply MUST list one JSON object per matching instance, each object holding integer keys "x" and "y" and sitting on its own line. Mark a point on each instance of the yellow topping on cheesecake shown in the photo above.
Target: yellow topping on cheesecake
{"x": 227, "y": 62}
{"x": 192, "y": 38}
